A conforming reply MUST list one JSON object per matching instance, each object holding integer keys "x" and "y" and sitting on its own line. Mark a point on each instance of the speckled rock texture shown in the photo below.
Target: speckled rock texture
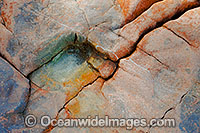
{"x": 117, "y": 58}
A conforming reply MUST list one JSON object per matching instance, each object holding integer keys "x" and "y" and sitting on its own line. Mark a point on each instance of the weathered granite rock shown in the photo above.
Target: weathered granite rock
{"x": 14, "y": 90}
{"x": 186, "y": 113}
{"x": 133, "y": 8}
{"x": 91, "y": 101}
{"x": 64, "y": 76}
{"x": 33, "y": 23}
{"x": 119, "y": 43}
{"x": 162, "y": 69}
{"x": 187, "y": 26}
{"x": 147, "y": 84}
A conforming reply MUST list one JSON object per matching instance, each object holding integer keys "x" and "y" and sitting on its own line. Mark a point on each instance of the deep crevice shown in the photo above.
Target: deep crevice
{"x": 87, "y": 48}
{"x": 145, "y": 32}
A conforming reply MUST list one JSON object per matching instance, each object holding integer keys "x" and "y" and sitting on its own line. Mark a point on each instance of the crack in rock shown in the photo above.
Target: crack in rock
{"x": 178, "y": 35}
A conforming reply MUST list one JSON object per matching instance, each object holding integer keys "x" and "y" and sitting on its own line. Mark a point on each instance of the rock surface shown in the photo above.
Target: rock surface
{"x": 117, "y": 58}
{"x": 14, "y": 90}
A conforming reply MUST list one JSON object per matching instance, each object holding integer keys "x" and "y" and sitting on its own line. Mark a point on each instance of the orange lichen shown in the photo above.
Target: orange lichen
{"x": 88, "y": 76}
{"x": 64, "y": 84}
{"x": 7, "y": 14}
{"x": 124, "y": 4}
{"x": 75, "y": 107}
{"x": 67, "y": 112}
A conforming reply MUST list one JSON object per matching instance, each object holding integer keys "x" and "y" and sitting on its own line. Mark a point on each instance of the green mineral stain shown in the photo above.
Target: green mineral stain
{"x": 54, "y": 46}
{"x": 67, "y": 65}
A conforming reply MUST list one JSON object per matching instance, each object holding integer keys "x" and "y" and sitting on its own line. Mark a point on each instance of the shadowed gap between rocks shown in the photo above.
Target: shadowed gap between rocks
{"x": 158, "y": 25}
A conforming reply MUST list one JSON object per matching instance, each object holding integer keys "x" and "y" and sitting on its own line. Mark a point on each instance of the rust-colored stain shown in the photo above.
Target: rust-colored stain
{"x": 87, "y": 76}
{"x": 69, "y": 96}
{"x": 75, "y": 107}
{"x": 7, "y": 13}
{"x": 64, "y": 84}
{"x": 49, "y": 80}
{"x": 124, "y": 4}
{"x": 67, "y": 112}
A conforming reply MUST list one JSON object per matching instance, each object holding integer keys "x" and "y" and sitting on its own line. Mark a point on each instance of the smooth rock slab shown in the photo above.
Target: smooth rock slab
{"x": 187, "y": 26}
{"x": 14, "y": 90}
{"x": 186, "y": 113}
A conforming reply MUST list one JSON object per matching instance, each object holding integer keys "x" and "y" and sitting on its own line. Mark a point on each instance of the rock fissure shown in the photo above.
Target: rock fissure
{"x": 178, "y": 35}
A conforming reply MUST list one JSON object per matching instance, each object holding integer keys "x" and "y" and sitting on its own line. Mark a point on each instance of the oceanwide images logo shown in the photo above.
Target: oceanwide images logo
{"x": 128, "y": 123}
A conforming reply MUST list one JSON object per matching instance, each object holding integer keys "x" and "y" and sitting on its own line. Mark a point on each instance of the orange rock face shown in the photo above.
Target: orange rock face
{"x": 128, "y": 59}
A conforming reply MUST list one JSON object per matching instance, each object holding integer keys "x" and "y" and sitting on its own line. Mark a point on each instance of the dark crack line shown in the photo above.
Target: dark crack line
{"x": 3, "y": 22}
{"x": 178, "y": 35}
{"x": 91, "y": 65}
{"x": 132, "y": 19}
{"x": 77, "y": 94}
{"x": 147, "y": 31}
{"x": 29, "y": 75}
{"x": 5, "y": 25}
{"x": 160, "y": 24}
{"x": 170, "y": 109}
{"x": 13, "y": 66}
{"x": 95, "y": 26}
{"x": 116, "y": 69}
{"x": 18, "y": 42}
{"x": 183, "y": 96}
{"x": 154, "y": 57}
{"x": 119, "y": 35}
{"x": 65, "y": 104}
{"x": 165, "y": 113}
{"x": 173, "y": 108}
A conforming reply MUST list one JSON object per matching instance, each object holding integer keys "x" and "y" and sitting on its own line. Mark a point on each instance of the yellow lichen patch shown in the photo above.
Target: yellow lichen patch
{"x": 75, "y": 107}
{"x": 82, "y": 77}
